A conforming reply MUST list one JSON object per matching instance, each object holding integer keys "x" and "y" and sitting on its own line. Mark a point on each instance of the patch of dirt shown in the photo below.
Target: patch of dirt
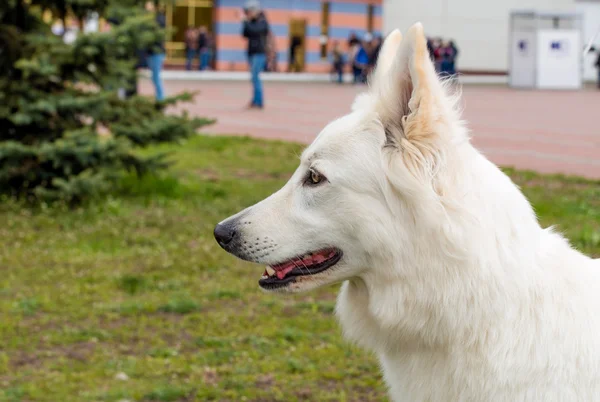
{"x": 78, "y": 351}
{"x": 265, "y": 381}
{"x": 210, "y": 376}
{"x": 33, "y": 324}
{"x": 213, "y": 176}
{"x": 182, "y": 341}
{"x": 21, "y": 359}
{"x": 249, "y": 174}
{"x": 304, "y": 394}
{"x": 290, "y": 311}
{"x": 111, "y": 323}
{"x": 208, "y": 174}
{"x": 193, "y": 244}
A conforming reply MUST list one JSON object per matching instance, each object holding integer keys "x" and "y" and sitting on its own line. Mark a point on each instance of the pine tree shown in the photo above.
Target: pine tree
{"x": 65, "y": 133}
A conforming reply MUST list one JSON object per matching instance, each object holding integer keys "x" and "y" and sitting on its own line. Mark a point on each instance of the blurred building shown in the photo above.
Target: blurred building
{"x": 480, "y": 28}
{"x": 317, "y": 23}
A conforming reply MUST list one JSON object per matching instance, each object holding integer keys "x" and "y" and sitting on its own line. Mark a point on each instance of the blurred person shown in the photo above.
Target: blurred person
{"x": 191, "y": 46}
{"x": 209, "y": 52}
{"x": 203, "y": 48}
{"x": 374, "y": 49}
{"x": 430, "y": 49}
{"x": 352, "y": 52}
{"x": 447, "y": 54}
{"x": 156, "y": 54}
{"x": 352, "y": 40}
{"x": 295, "y": 44}
{"x": 598, "y": 67}
{"x": 337, "y": 61}
{"x": 436, "y": 45}
{"x": 454, "y": 56}
{"x": 597, "y": 63}
{"x": 360, "y": 62}
{"x": 256, "y": 30}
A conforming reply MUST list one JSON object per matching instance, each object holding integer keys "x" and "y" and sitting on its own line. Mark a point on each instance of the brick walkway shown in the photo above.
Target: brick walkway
{"x": 551, "y": 132}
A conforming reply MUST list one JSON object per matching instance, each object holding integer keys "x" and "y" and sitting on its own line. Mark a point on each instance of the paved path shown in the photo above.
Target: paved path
{"x": 546, "y": 131}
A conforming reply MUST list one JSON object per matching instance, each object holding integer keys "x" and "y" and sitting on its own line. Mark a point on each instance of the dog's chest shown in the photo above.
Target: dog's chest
{"x": 414, "y": 373}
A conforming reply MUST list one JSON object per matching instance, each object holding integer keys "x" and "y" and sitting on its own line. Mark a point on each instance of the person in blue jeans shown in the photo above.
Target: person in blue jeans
{"x": 204, "y": 48}
{"x": 156, "y": 56}
{"x": 256, "y": 29}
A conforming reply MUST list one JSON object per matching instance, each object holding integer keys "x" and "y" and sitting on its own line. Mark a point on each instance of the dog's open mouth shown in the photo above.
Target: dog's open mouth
{"x": 282, "y": 274}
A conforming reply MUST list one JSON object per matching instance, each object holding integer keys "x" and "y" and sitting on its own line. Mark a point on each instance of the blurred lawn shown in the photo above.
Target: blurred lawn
{"x": 130, "y": 298}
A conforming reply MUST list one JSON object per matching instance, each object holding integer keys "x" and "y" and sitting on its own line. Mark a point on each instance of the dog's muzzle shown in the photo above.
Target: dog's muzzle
{"x": 225, "y": 233}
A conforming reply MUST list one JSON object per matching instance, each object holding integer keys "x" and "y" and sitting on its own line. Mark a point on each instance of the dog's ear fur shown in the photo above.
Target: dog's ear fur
{"x": 386, "y": 57}
{"x": 411, "y": 103}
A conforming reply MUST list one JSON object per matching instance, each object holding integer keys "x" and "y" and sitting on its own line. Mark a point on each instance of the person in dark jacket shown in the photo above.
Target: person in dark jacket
{"x": 598, "y": 67}
{"x": 430, "y": 49}
{"x": 204, "y": 48}
{"x": 337, "y": 62}
{"x": 256, "y": 30}
{"x": 597, "y": 64}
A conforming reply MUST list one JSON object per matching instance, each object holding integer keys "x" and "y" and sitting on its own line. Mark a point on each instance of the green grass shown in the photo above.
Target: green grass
{"x": 135, "y": 284}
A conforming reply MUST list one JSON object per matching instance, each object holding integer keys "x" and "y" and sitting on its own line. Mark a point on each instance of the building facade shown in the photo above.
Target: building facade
{"x": 480, "y": 28}
{"x": 318, "y": 23}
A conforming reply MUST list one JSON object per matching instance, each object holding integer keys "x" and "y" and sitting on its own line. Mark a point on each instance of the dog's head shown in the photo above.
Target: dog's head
{"x": 362, "y": 187}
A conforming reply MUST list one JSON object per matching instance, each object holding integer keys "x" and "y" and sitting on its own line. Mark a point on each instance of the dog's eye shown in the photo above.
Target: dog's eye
{"x": 314, "y": 178}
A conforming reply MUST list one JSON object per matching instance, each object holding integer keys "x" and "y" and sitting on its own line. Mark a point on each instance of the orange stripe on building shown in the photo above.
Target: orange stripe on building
{"x": 357, "y": 21}
{"x": 231, "y": 14}
{"x": 233, "y": 42}
{"x": 312, "y": 44}
{"x": 282, "y": 43}
{"x": 282, "y": 67}
{"x": 377, "y": 23}
{"x": 312, "y": 17}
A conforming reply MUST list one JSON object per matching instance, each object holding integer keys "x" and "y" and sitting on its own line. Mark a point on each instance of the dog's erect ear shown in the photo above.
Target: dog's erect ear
{"x": 386, "y": 57}
{"x": 410, "y": 101}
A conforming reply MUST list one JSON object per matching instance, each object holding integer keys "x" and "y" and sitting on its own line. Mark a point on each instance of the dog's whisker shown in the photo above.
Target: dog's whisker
{"x": 307, "y": 270}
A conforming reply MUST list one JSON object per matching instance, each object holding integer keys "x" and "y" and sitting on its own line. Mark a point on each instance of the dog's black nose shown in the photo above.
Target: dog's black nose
{"x": 224, "y": 234}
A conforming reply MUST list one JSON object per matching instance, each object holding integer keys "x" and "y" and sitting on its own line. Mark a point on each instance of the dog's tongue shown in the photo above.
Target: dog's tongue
{"x": 282, "y": 273}
{"x": 283, "y": 269}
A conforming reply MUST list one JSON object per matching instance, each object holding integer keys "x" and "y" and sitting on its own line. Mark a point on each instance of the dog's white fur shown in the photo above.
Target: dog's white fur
{"x": 448, "y": 277}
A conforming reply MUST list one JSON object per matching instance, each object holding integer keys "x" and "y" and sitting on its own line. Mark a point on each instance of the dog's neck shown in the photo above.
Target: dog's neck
{"x": 456, "y": 279}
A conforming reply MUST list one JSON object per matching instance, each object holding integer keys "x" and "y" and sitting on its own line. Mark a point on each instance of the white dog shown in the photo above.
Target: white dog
{"x": 447, "y": 275}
